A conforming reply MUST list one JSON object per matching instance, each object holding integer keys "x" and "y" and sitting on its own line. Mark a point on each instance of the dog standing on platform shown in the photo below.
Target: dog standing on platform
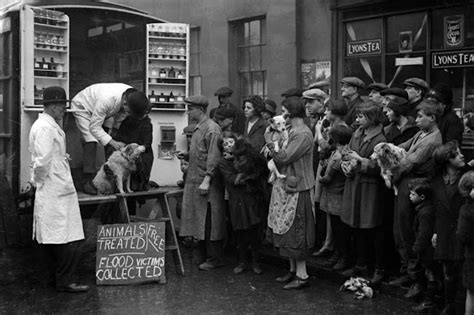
{"x": 121, "y": 163}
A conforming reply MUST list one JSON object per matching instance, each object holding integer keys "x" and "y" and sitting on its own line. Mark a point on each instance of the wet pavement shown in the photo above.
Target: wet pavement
{"x": 216, "y": 292}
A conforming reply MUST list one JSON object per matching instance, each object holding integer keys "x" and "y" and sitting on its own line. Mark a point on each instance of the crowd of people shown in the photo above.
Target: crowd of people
{"x": 415, "y": 230}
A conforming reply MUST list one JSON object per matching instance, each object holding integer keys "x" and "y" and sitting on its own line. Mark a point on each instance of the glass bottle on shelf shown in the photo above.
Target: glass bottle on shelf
{"x": 162, "y": 98}
{"x": 171, "y": 73}
{"x": 180, "y": 97}
{"x": 171, "y": 98}
{"x": 37, "y": 64}
{"x": 175, "y": 52}
{"x": 180, "y": 74}
{"x": 166, "y": 52}
{"x": 61, "y": 42}
{"x": 182, "y": 52}
{"x": 163, "y": 73}
{"x": 59, "y": 69}
{"x": 152, "y": 97}
{"x": 160, "y": 50}
{"x": 41, "y": 39}
{"x": 54, "y": 41}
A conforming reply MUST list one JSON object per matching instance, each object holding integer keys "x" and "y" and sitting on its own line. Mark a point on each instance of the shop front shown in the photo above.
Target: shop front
{"x": 387, "y": 42}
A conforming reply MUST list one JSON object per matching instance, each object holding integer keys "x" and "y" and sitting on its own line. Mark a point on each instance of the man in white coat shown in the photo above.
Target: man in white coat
{"x": 57, "y": 223}
{"x": 100, "y": 108}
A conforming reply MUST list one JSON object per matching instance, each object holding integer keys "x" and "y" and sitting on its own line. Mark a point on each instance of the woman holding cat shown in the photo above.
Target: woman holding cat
{"x": 291, "y": 213}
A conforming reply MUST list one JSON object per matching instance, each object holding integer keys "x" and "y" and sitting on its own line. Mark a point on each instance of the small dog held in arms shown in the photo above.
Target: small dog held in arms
{"x": 122, "y": 163}
{"x": 277, "y": 134}
{"x": 388, "y": 157}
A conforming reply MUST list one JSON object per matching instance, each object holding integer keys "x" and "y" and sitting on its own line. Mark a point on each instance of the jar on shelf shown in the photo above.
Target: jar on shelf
{"x": 160, "y": 50}
{"x": 171, "y": 73}
{"x": 166, "y": 52}
{"x": 54, "y": 41}
{"x": 175, "y": 52}
{"x": 182, "y": 52}
{"x": 41, "y": 39}
{"x": 163, "y": 74}
{"x": 180, "y": 74}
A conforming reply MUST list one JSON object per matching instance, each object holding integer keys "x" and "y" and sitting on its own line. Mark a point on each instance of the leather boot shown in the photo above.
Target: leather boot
{"x": 427, "y": 302}
{"x": 449, "y": 297}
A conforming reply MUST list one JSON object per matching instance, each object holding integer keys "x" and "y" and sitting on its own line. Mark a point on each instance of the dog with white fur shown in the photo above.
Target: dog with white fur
{"x": 277, "y": 134}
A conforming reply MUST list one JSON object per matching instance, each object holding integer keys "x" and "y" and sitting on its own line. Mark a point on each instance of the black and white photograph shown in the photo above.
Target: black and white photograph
{"x": 237, "y": 157}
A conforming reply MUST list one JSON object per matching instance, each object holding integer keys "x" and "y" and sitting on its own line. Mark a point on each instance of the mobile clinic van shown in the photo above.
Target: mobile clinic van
{"x": 74, "y": 44}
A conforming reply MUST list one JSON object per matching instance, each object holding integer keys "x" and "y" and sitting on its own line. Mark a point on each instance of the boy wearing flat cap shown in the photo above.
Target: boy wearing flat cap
{"x": 224, "y": 117}
{"x": 450, "y": 125}
{"x": 400, "y": 128}
{"x": 57, "y": 223}
{"x": 417, "y": 90}
{"x": 223, "y": 95}
{"x": 374, "y": 92}
{"x": 350, "y": 87}
{"x": 203, "y": 215}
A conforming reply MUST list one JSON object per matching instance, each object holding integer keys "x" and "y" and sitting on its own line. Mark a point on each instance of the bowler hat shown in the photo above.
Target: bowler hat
{"x": 417, "y": 83}
{"x": 442, "y": 93}
{"x": 138, "y": 103}
{"x": 197, "y": 100}
{"x": 399, "y": 105}
{"x": 395, "y": 91}
{"x": 314, "y": 94}
{"x": 292, "y": 92}
{"x": 54, "y": 95}
{"x": 224, "y": 91}
{"x": 377, "y": 86}
{"x": 354, "y": 81}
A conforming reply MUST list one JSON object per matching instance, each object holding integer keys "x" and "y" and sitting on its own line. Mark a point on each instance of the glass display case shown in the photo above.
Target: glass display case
{"x": 45, "y": 57}
{"x": 167, "y": 75}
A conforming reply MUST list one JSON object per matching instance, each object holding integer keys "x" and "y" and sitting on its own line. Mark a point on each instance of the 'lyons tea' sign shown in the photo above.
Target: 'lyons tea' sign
{"x": 453, "y": 59}
{"x": 364, "y": 47}
{"x": 130, "y": 253}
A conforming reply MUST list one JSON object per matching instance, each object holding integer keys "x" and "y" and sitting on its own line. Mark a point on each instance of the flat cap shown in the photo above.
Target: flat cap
{"x": 418, "y": 83}
{"x": 197, "y": 100}
{"x": 319, "y": 85}
{"x": 399, "y": 105}
{"x": 224, "y": 91}
{"x": 354, "y": 81}
{"x": 224, "y": 112}
{"x": 395, "y": 91}
{"x": 314, "y": 94}
{"x": 377, "y": 86}
{"x": 292, "y": 92}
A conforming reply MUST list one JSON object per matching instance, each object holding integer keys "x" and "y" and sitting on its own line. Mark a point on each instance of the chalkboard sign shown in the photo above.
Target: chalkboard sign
{"x": 130, "y": 253}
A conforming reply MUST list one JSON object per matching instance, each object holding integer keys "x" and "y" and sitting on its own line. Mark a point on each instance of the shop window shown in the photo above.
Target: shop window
{"x": 454, "y": 17}
{"x": 250, "y": 47}
{"x": 195, "y": 61}
{"x": 406, "y": 33}
{"x": 363, "y": 50}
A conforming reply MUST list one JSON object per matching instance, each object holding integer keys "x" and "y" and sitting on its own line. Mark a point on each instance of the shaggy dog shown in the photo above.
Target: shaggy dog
{"x": 277, "y": 134}
{"x": 122, "y": 163}
{"x": 388, "y": 157}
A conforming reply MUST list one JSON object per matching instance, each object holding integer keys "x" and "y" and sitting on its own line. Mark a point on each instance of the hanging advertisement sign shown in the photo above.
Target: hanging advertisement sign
{"x": 453, "y": 31}
{"x": 453, "y": 59}
{"x": 364, "y": 47}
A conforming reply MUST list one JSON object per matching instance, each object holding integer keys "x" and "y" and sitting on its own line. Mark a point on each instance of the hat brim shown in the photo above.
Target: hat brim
{"x": 56, "y": 101}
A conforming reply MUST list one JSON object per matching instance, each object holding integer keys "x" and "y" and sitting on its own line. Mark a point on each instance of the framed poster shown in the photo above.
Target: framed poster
{"x": 308, "y": 74}
{"x": 405, "y": 41}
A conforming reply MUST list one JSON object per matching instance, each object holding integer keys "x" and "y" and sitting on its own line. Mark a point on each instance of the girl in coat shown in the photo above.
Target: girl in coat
{"x": 465, "y": 233}
{"x": 246, "y": 196}
{"x": 362, "y": 202}
{"x": 448, "y": 201}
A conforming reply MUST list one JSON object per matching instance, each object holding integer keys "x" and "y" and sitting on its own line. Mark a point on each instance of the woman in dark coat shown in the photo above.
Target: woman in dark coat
{"x": 362, "y": 201}
{"x": 255, "y": 125}
{"x": 244, "y": 172}
{"x": 447, "y": 201}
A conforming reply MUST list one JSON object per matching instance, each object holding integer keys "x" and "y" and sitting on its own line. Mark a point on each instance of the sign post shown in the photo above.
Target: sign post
{"x": 130, "y": 253}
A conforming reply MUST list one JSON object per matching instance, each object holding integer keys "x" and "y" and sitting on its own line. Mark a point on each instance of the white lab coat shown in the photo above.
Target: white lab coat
{"x": 99, "y": 104}
{"x": 57, "y": 218}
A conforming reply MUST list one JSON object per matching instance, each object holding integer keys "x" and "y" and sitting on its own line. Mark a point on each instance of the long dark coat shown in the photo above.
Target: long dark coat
{"x": 256, "y": 135}
{"x": 447, "y": 203}
{"x": 362, "y": 201}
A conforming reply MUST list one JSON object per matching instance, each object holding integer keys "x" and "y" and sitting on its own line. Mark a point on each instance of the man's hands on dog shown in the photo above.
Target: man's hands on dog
{"x": 117, "y": 145}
